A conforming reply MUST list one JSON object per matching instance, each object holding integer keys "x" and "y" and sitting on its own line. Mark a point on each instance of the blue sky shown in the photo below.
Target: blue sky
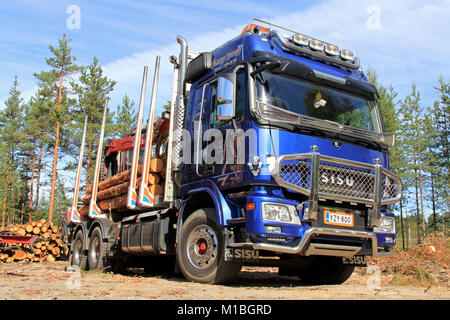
{"x": 404, "y": 41}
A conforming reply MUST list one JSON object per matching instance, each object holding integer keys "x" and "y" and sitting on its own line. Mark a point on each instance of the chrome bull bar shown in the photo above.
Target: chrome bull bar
{"x": 305, "y": 173}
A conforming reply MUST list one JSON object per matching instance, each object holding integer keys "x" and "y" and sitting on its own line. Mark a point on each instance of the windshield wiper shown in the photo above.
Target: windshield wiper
{"x": 266, "y": 66}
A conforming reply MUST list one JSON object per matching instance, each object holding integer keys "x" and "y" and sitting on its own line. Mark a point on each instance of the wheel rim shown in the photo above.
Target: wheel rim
{"x": 202, "y": 246}
{"x": 94, "y": 253}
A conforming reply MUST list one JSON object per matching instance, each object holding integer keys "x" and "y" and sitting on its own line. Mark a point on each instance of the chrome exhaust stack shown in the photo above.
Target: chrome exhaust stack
{"x": 180, "y": 108}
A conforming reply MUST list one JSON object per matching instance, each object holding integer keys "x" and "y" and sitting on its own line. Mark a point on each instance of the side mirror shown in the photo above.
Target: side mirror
{"x": 225, "y": 99}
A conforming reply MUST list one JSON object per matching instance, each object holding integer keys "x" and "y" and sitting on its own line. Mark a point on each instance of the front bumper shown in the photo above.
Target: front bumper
{"x": 307, "y": 246}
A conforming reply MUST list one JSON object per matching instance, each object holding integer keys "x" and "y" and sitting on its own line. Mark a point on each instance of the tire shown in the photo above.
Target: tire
{"x": 97, "y": 250}
{"x": 325, "y": 271}
{"x": 77, "y": 257}
{"x": 200, "y": 250}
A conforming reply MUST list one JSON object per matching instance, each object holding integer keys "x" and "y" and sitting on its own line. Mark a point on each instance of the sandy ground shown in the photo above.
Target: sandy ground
{"x": 50, "y": 281}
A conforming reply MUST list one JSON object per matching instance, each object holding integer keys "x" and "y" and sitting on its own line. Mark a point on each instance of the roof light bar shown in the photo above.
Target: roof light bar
{"x": 311, "y": 46}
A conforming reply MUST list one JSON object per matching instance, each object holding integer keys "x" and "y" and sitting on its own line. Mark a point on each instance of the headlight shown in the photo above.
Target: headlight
{"x": 387, "y": 225}
{"x": 279, "y": 213}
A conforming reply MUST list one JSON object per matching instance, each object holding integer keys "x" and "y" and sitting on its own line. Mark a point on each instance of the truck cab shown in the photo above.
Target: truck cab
{"x": 289, "y": 148}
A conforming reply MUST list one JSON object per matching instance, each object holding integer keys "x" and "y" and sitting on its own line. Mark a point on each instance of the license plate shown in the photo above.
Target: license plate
{"x": 338, "y": 218}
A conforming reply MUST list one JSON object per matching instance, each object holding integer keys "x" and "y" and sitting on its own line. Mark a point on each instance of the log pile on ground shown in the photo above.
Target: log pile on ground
{"x": 47, "y": 244}
{"x": 112, "y": 192}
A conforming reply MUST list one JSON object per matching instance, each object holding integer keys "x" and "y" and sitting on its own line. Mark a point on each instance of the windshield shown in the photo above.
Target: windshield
{"x": 315, "y": 101}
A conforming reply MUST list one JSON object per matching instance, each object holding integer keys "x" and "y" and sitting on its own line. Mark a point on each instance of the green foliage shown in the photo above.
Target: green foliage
{"x": 13, "y": 181}
{"x": 92, "y": 89}
{"x": 126, "y": 118}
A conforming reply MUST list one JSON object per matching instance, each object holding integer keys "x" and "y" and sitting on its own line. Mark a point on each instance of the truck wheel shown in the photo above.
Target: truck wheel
{"x": 325, "y": 271}
{"x": 97, "y": 250}
{"x": 200, "y": 251}
{"x": 78, "y": 258}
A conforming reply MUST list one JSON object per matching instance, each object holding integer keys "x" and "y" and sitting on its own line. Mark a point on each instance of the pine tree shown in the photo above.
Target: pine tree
{"x": 38, "y": 131}
{"x": 51, "y": 84}
{"x": 440, "y": 117}
{"x": 10, "y": 122}
{"x": 412, "y": 150}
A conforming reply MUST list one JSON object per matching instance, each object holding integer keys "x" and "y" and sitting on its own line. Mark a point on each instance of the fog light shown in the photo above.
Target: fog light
{"x": 273, "y": 229}
{"x": 389, "y": 240}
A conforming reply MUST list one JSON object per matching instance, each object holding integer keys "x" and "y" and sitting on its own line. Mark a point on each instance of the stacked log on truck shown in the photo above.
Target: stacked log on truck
{"x": 112, "y": 192}
{"x": 47, "y": 245}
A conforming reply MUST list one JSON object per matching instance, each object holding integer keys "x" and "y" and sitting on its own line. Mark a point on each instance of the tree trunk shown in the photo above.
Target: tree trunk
{"x": 38, "y": 182}
{"x": 21, "y": 212}
{"x": 417, "y": 211}
{"x": 5, "y": 198}
{"x": 55, "y": 153}
{"x": 32, "y": 176}
{"x": 433, "y": 202}
{"x": 420, "y": 186}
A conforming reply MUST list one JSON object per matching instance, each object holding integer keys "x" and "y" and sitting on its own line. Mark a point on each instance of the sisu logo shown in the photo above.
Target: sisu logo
{"x": 336, "y": 180}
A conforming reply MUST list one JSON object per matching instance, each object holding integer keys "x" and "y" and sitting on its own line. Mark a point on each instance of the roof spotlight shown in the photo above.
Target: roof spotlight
{"x": 332, "y": 50}
{"x": 300, "y": 40}
{"x": 347, "y": 55}
{"x": 316, "y": 45}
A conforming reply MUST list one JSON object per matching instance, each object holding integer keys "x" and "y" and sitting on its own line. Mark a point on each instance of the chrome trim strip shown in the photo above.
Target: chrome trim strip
{"x": 326, "y": 76}
{"x": 321, "y": 249}
{"x": 311, "y": 122}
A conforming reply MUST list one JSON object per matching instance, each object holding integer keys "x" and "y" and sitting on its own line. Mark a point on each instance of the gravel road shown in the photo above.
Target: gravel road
{"x": 50, "y": 281}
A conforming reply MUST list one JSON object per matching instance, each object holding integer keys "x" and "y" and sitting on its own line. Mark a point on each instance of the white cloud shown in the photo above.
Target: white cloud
{"x": 410, "y": 45}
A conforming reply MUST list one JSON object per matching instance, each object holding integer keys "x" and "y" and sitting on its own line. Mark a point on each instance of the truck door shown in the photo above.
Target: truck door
{"x": 208, "y": 97}
{"x": 196, "y": 123}
{"x": 224, "y": 125}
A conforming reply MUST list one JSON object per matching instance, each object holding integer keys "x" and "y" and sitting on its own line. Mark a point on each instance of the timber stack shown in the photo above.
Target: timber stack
{"x": 113, "y": 191}
{"x": 47, "y": 244}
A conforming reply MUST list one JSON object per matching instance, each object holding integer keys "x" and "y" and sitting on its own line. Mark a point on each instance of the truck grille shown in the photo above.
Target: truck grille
{"x": 338, "y": 179}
